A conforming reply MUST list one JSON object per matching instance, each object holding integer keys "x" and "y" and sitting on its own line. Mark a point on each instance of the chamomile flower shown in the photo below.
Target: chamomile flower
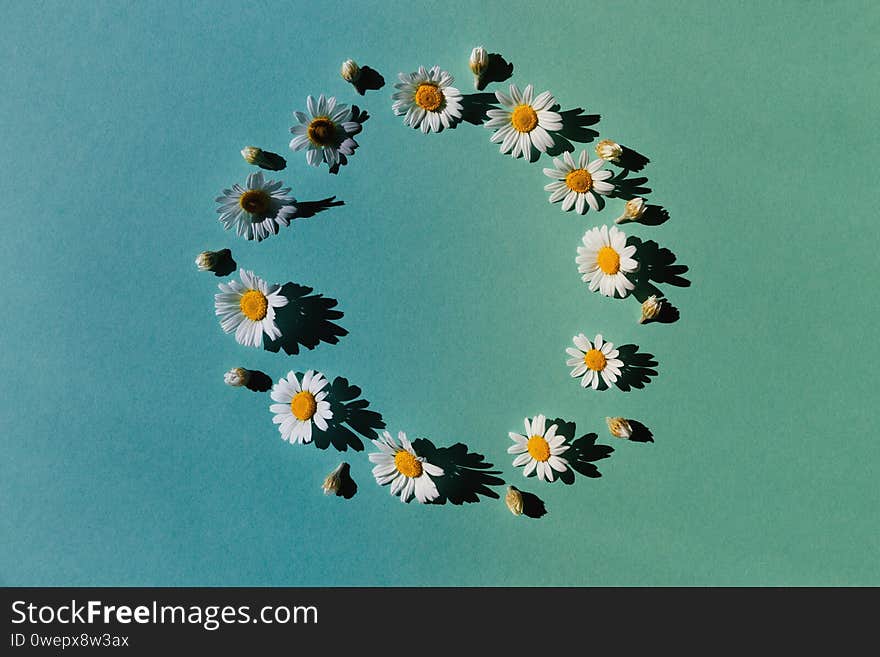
{"x": 300, "y": 405}
{"x": 539, "y": 450}
{"x": 325, "y": 132}
{"x": 427, "y": 99}
{"x": 605, "y": 260}
{"x": 576, "y": 185}
{"x": 258, "y": 209}
{"x": 408, "y": 473}
{"x": 524, "y": 122}
{"x": 592, "y": 360}
{"x": 248, "y": 308}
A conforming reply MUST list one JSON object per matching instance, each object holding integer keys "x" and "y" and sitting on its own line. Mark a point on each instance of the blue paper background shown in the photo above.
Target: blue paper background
{"x": 124, "y": 460}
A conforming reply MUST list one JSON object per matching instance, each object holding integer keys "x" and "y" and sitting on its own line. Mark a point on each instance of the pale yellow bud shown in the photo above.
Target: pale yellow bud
{"x": 350, "y": 71}
{"x": 514, "y": 500}
{"x": 634, "y": 208}
{"x": 609, "y": 150}
{"x": 619, "y": 427}
{"x": 251, "y": 154}
{"x": 333, "y": 481}
{"x": 650, "y": 308}
{"x": 479, "y": 61}
{"x": 206, "y": 260}
{"x": 237, "y": 376}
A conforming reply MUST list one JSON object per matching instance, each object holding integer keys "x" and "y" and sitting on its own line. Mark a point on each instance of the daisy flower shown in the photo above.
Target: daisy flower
{"x": 524, "y": 122}
{"x": 592, "y": 360}
{"x": 325, "y": 132}
{"x": 257, "y": 209}
{"x": 605, "y": 260}
{"x": 248, "y": 308}
{"x": 426, "y": 99}
{"x": 539, "y": 449}
{"x": 300, "y": 406}
{"x": 406, "y": 471}
{"x": 576, "y": 185}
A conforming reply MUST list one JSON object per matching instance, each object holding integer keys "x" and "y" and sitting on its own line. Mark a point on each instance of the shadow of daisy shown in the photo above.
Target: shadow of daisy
{"x": 640, "y": 433}
{"x": 466, "y": 475}
{"x": 533, "y": 506}
{"x": 575, "y": 128}
{"x": 631, "y": 160}
{"x": 638, "y": 368}
{"x": 369, "y": 80}
{"x": 306, "y": 320}
{"x": 498, "y": 69}
{"x": 582, "y": 453}
{"x": 656, "y": 265}
{"x": 474, "y": 108}
{"x": 626, "y": 187}
{"x": 350, "y": 417}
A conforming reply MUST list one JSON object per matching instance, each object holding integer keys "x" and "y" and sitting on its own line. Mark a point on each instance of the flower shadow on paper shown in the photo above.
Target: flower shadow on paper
{"x": 533, "y": 506}
{"x": 575, "y": 128}
{"x": 306, "y": 320}
{"x": 224, "y": 264}
{"x": 475, "y": 106}
{"x": 350, "y": 417}
{"x": 631, "y": 160}
{"x": 498, "y": 69}
{"x": 258, "y": 381}
{"x": 466, "y": 475}
{"x": 640, "y": 433}
{"x": 657, "y": 265}
{"x": 369, "y": 80}
{"x": 582, "y": 452}
{"x": 358, "y": 116}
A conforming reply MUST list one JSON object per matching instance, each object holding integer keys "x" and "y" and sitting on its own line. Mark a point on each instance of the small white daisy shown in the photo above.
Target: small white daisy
{"x": 539, "y": 449}
{"x": 257, "y": 209}
{"x": 605, "y": 260}
{"x": 406, "y": 471}
{"x": 300, "y": 406}
{"x": 592, "y": 360}
{"x": 248, "y": 308}
{"x": 426, "y": 99}
{"x": 525, "y": 122}
{"x": 577, "y": 185}
{"x": 325, "y": 132}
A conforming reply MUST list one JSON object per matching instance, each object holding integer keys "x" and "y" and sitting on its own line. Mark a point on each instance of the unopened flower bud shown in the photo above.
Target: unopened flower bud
{"x": 514, "y": 500}
{"x": 333, "y": 481}
{"x": 479, "y": 62}
{"x": 634, "y": 208}
{"x": 251, "y": 154}
{"x": 237, "y": 376}
{"x": 609, "y": 150}
{"x": 350, "y": 71}
{"x": 650, "y": 308}
{"x": 208, "y": 260}
{"x": 619, "y": 427}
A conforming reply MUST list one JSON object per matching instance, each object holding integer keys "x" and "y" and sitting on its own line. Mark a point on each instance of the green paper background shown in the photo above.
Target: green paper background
{"x": 125, "y": 460}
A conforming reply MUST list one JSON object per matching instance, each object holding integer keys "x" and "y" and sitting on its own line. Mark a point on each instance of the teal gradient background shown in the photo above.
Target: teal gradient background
{"x": 125, "y": 460}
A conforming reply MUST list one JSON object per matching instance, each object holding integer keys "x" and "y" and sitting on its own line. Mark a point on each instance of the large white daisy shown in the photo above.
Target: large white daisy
{"x": 248, "y": 308}
{"x": 300, "y": 406}
{"x": 524, "y": 122}
{"x": 605, "y": 260}
{"x": 427, "y": 99}
{"x": 592, "y": 360}
{"x": 325, "y": 132}
{"x": 256, "y": 210}
{"x": 407, "y": 472}
{"x": 539, "y": 450}
{"x": 576, "y": 185}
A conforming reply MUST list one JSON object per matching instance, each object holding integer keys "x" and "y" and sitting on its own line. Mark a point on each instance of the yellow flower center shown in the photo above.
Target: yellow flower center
{"x": 407, "y": 464}
{"x": 322, "y": 131}
{"x": 579, "y": 181}
{"x": 303, "y": 405}
{"x": 595, "y": 360}
{"x": 429, "y": 97}
{"x": 254, "y": 201}
{"x": 523, "y": 118}
{"x": 254, "y": 305}
{"x": 608, "y": 260}
{"x": 539, "y": 449}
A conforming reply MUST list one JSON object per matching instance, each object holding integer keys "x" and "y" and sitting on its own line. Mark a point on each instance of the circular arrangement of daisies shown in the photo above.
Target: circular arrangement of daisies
{"x": 524, "y": 125}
